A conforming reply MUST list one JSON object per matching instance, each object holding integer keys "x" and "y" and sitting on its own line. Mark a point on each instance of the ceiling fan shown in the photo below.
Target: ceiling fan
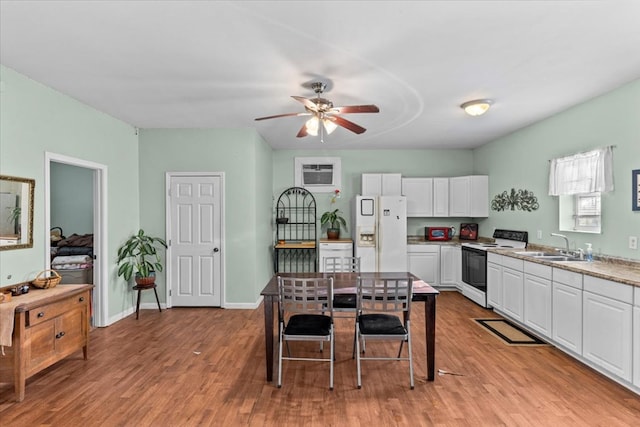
{"x": 325, "y": 117}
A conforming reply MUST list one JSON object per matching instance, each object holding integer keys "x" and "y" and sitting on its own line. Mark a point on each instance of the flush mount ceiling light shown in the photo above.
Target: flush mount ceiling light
{"x": 476, "y": 107}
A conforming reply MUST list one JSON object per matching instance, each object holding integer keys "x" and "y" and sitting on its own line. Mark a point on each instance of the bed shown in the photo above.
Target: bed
{"x": 72, "y": 258}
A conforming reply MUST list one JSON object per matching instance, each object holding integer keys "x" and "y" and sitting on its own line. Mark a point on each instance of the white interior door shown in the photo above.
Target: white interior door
{"x": 195, "y": 243}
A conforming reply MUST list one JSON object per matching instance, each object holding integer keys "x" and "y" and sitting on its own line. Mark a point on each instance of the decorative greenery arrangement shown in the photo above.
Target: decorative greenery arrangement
{"x": 139, "y": 254}
{"x": 521, "y": 199}
{"x": 333, "y": 217}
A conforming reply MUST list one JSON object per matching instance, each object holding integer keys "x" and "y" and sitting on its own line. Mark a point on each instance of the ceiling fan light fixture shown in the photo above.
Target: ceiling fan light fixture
{"x": 329, "y": 126}
{"x": 476, "y": 107}
{"x": 312, "y": 126}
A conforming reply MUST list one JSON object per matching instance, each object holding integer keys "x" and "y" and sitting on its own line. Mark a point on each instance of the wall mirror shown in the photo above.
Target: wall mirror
{"x": 16, "y": 212}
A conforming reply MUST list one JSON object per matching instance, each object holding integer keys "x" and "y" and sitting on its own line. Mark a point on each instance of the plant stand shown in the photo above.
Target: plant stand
{"x": 141, "y": 288}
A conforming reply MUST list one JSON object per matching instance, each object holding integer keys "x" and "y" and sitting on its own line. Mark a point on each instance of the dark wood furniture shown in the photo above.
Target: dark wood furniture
{"x": 141, "y": 288}
{"x": 345, "y": 283}
{"x": 49, "y": 325}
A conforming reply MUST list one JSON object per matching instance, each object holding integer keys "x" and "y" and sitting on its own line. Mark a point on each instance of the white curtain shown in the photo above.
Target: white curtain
{"x": 587, "y": 172}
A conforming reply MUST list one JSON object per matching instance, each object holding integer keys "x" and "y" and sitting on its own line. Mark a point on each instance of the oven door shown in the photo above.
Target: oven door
{"x": 474, "y": 268}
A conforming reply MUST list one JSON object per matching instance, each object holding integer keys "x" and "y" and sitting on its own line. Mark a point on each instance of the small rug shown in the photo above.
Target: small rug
{"x": 509, "y": 333}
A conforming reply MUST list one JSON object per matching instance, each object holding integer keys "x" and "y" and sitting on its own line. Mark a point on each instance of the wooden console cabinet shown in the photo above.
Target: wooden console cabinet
{"x": 51, "y": 325}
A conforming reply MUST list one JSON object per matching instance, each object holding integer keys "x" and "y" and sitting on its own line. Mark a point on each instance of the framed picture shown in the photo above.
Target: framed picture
{"x": 635, "y": 190}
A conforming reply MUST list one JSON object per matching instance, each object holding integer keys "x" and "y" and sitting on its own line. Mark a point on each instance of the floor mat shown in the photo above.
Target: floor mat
{"x": 509, "y": 333}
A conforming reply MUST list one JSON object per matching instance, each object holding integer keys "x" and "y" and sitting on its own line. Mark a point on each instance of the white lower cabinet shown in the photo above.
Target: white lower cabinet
{"x": 424, "y": 262}
{"x": 334, "y": 249}
{"x": 494, "y": 280}
{"x": 567, "y": 309}
{"x": 607, "y": 328}
{"x": 450, "y": 265}
{"x": 513, "y": 288}
{"x": 636, "y": 338}
{"x": 537, "y": 298}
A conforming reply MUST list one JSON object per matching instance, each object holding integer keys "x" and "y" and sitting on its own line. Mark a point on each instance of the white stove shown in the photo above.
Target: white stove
{"x": 474, "y": 262}
{"x": 503, "y": 239}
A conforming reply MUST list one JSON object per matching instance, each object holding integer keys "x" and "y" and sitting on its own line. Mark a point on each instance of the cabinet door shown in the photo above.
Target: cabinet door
{"x": 391, "y": 184}
{"x": 71, "y": 332}
{"x": 459, "y": 196}
{"x": 567, "y": 316}
{"x": 426, "y": 265}
{"x": 440, "y": 197}
{"x": 494, "y": 285}
{"x": 607, "y": 334}
{"x": 636, "y": 344}
{"x": 371, "y": 184}
{"x": 479, "y": 196}
{"x": 450, "y": 265}
{"x": 419, "y": 194}
{"x": 513, "y": 294}
{"x": 537, "y": 304}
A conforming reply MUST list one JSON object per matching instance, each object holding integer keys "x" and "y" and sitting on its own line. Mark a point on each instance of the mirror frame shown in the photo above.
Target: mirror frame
{"x": 31, "y": 189}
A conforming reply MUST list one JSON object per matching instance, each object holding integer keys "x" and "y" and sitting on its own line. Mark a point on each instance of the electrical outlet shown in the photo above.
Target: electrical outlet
{"x": 633, "y": 242}
{"x": 539, "y": 234}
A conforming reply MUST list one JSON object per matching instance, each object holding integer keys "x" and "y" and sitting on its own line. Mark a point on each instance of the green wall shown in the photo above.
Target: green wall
{"x": 246, "y": 161}
{"x": 521, "y": 161}
{"x": 35, "y": 119}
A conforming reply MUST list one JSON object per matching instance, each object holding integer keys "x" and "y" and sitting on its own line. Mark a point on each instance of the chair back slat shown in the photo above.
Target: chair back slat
{"x": 305, "y": 295}
{"x": 342, "y": 265}
{"x": 385, "y": 295}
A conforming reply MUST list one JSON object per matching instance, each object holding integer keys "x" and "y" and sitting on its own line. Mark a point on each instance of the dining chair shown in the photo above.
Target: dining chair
{"x": 344, "y": 305}
{"x": 380, "y": 303}
{"x": 302, "y": 308}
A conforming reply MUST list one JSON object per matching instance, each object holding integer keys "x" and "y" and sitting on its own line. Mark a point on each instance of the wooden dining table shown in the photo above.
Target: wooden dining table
{"x": 345, "y": 283}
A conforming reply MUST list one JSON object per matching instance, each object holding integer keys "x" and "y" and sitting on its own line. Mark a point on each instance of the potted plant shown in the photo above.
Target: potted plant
{"x": 139, "y": 254}
{"x": 335, "y": 220}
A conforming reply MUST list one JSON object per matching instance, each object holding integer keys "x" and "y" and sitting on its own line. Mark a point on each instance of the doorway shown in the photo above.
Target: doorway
{"x": 195, "y": 234}
{"x": 98, "y": 204}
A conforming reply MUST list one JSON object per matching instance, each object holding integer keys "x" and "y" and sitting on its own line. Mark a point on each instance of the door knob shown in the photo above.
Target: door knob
{"x": 216, "y": 250}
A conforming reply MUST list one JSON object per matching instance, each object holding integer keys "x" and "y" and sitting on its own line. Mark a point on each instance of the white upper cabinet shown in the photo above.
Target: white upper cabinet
{"x": 381, "y": 184}
{"x": 469, "y": 196}
{"x": 426, "y": 197}
{"x": 419, "y": 194}
{"x": 440, "y": 197}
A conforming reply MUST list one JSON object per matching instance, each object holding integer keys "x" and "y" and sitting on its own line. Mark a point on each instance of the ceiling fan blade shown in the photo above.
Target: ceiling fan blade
{"x": 307, "y": 102}
{"x": 283, "y": 115}
{"x": 303, "y": 131}
{"x": 346, "y": 124}
{"x": 356, "y": 109}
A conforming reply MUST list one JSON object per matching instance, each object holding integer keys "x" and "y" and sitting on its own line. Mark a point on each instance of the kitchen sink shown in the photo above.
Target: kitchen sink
{"x": 549, "y": 256}
{"x": 557, "y": 258}
{"x": 538, "y": 254}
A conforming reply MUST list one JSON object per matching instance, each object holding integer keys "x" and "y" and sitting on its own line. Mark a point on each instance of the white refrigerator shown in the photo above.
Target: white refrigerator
{"x": 379, "y": 230}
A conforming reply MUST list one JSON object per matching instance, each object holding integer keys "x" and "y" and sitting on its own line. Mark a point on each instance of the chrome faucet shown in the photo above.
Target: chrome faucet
{"x": 566, "y": 241}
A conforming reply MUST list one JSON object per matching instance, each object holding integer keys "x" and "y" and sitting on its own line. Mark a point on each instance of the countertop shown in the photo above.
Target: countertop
{"x": 618, "y": 270}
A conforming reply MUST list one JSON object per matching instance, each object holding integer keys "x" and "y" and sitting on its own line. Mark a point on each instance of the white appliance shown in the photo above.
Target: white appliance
{"x": 341, "y": 249}
{"x": 474, "y": 262}
{"x": 379, "y": 230}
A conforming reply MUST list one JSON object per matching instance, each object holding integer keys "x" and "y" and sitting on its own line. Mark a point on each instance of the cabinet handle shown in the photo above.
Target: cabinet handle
{"x": 60, "y": 335}
{"x": 81, "y": 299}
{"x": 41, "y": 314}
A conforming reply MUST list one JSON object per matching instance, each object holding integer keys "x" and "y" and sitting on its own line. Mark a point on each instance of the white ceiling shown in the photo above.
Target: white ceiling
{"x": 205, "y": 64}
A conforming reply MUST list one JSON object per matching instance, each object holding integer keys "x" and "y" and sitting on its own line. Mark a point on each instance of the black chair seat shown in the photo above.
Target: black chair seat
{"x": 381, "y": 324}
{"x": 344, "y": 301}
{"x": 308, "y": 324}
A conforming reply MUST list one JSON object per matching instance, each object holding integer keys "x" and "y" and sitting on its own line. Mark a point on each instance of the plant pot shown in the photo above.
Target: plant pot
{"x": 333, "y": 233}
{"x": 145, "y": 281}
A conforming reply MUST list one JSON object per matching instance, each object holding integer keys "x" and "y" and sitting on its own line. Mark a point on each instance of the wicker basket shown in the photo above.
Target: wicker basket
{"x": 43, "y": 281}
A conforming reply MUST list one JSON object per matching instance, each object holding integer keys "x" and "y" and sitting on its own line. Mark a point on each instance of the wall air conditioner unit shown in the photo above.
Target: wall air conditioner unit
{"x": 318, "y": 174}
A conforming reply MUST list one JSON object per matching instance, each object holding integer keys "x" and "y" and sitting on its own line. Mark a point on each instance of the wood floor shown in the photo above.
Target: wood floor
{"x": 188, "y": 367}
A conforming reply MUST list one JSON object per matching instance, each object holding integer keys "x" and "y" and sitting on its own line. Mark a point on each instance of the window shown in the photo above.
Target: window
{"x": 580, "y": 212}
